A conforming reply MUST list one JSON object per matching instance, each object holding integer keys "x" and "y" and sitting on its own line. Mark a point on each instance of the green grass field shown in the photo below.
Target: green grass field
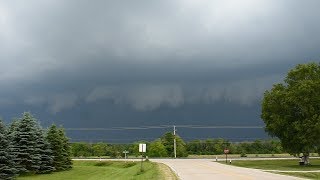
{"x": 95, "y": 170}
{"x": 285, "y": 165}
{"x": 221, "y": 156}
{"x": 309, "y": 175}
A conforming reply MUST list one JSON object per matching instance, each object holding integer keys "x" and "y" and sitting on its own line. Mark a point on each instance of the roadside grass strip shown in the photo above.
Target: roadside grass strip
{"x": 308, "y": 175}
{"x": 100, "y": 170}
{"x": 288, "y": 167}
{"x": 278, "y": 165}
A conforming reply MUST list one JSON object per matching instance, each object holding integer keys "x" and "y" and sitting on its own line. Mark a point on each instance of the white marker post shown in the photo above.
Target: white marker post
{"x": 142, "y": 149}
{"x": 125, "y": 152}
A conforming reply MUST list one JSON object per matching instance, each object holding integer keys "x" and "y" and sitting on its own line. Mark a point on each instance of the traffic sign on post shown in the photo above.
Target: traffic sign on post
{"x": 142, "y": 148}
{"x": 226, "y": 151}
{"x": 125, "y": 152}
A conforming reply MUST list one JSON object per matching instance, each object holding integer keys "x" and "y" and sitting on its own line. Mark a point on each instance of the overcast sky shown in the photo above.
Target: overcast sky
{"x": 147, "y": 55}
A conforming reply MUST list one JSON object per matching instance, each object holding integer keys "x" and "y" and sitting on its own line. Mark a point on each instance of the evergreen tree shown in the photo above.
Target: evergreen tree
{"x": 7, "y": 165}
{"x": 67, "y": 163}
{"x": 24, "y": 138}
{"x": 46, "y": 158}
{"x": 56, "y": 145}
{"x": 12, "y": 128}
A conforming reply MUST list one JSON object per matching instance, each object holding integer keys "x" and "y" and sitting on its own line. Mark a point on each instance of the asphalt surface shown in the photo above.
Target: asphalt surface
{"x": 206, "y": 169}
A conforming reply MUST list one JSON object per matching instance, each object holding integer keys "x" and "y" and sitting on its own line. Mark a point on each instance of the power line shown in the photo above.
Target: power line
{"x": 163, "y": 127}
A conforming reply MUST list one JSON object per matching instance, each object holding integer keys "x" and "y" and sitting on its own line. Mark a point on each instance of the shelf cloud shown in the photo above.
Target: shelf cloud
{"x": 148, "y": 55}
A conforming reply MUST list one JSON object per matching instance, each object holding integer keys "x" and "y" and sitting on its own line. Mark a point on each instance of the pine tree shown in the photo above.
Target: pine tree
{"x": 67, "y": 163}
{"x": 12, "y": 128}
{"x": 24, "y": 139}
{"x": 60, "y": 148}
{"x": 7, "y": 165}
{"x": 46, "y": 158}
{"x": 56, "y": 145}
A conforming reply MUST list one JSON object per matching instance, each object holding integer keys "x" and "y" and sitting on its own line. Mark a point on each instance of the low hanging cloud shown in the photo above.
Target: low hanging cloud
{"x": 150, "y": 54}
{"x": 147, "y": 97}
{"x": 60, "y": 102}
{"x": 54, "y": 103}
{"x": 143, "y": 97}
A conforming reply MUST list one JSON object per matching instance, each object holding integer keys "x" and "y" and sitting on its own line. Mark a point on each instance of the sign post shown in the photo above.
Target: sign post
{"x": 125, "y": 152}
{"x": 142, "y": 149}
{"x": 226, "y": 151}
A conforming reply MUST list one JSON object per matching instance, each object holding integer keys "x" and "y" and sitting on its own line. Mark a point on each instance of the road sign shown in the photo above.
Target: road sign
{"x": 226, "y": 151}
{"x": 142, "y": 148}
{"x": 125, "y": 152}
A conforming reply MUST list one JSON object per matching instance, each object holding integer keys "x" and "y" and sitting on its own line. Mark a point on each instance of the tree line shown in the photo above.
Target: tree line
{"x": 164, "y": 147}
{"x": 161, "y": 147}
{"x": 25, "y": 147}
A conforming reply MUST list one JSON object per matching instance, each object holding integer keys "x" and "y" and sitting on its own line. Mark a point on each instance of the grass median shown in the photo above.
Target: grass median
{"x": 99, "y": 170}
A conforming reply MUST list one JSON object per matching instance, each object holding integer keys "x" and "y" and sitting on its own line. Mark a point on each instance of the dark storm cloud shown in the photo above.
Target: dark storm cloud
{"x": 149, "y": 54}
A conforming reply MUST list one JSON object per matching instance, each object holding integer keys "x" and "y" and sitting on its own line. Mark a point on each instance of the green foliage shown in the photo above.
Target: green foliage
{"x": 43, "y": 149}
{"x": 291, "y": 110}
{"x": 66, "y": 150}
{"x": 103, "y": 163}
{"x": 7, "y": 164}
{"x": 81, "y": 149}
{"x": 25, "y": 148}
{"x": 168, "y": 140}
{"x": 60, "y": 148}
{"x": 209, "y": 146}
{"x": 216, "y": 146}
{"x": 157, "y": 149}
{"x": 243, "y": 154}
{"x": 99, "y": 149}
{"x": 24, "y": 140}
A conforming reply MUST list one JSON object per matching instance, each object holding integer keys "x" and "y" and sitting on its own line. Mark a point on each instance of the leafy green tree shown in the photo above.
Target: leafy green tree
{"x": 81, "y": 149}
{"x": 181, "y": 147}
{"x": 220, "y": 144}
{"x": 195, "y": 147}
{"x": 157, "y": 149}
{"x": 99, "y": 149}
{"x": 291, "y": 110}
{"x": 24, "y": 140}
{"x": 167, "y": 140}
{"x": 7, "y": 164}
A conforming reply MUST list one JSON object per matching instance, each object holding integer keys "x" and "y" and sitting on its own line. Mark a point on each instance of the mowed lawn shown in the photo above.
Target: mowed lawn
{"x": 96, "y": 170}
{"x": 284, "y": 165}
{"x": 308, "y": 175}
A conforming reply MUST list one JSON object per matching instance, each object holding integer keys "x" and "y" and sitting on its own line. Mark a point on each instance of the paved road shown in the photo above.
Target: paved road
{"x": 205, "y": 169}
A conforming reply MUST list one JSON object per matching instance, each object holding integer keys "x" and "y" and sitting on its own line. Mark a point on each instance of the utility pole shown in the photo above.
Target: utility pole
{"x": 174, "y": 142}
